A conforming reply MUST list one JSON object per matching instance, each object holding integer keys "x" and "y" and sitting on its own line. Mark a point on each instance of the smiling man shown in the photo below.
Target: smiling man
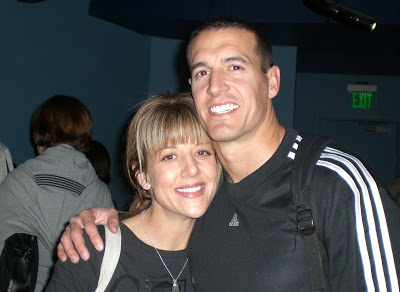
{"x": 233, "y": 94}
{"x": 248, "y": 239}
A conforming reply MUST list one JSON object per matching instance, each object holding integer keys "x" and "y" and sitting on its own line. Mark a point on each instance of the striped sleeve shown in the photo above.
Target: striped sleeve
{"x": 371, "y": 226}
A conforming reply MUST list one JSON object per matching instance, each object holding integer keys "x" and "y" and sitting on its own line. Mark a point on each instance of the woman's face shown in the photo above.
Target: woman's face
{"x": 182, "y": 179}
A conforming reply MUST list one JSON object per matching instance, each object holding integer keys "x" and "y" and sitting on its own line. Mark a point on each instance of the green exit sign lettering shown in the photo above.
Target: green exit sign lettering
{"x": 362, "y": 100}
{"x": 362, "y": 97}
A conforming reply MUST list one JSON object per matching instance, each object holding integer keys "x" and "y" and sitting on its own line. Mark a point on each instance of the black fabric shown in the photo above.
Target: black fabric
{"x": 248, "y": 239}
{"x": 139, "y": 268}
{"x": 19, "y": 263}
{"x": 307, "y": 155}
{"x": 308, "y": 152}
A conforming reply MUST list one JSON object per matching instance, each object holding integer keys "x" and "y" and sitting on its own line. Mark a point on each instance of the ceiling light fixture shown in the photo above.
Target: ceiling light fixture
{"x": 334, "y": 10}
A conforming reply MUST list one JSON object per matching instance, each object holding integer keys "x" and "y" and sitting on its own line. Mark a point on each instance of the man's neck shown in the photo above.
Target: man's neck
{"x": 242, "y": 158}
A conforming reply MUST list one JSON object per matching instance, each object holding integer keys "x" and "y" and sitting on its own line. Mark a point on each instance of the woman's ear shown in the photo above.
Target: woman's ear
{"x": 141, "y": 178}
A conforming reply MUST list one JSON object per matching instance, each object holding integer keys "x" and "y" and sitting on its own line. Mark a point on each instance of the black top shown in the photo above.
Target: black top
{"x": 139, "y": 268}
{"x": 249, "y": 238}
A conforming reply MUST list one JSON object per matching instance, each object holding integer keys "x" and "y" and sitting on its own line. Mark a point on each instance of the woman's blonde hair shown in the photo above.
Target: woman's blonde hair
{"x": 161, "y": 121}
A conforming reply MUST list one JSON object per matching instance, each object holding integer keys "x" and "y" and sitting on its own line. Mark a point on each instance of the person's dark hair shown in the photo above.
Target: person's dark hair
{"x": 62, "y": 119}
{"x": 263, "y": 45}
{"x": 100, "y": 159}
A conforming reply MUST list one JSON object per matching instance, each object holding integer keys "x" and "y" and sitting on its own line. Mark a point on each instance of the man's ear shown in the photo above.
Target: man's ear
{"x": 142, "y": 179}
{"x": 274, "y": 81}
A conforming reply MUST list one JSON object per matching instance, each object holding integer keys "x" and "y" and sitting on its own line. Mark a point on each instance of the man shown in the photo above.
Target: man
{"x": 248, "y": 239}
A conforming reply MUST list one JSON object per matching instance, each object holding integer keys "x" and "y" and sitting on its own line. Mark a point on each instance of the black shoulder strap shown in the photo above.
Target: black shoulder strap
{"x": 308, "y": 152}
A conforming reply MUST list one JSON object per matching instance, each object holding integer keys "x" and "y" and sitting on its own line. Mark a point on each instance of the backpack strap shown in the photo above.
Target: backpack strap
{"x": 308, "y": 152}
{"x": 110, "y": 259}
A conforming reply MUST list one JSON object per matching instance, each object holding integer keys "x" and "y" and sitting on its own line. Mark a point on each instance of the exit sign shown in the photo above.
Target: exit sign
{"x": 362, "y": 97}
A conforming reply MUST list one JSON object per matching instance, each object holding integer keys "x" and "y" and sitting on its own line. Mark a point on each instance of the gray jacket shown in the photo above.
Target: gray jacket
{"x": 42, "y": 194}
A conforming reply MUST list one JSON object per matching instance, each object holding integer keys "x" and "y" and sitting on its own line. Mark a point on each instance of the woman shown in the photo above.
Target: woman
{"x": 40, "y": 196}
{"x": 172, "y": 165}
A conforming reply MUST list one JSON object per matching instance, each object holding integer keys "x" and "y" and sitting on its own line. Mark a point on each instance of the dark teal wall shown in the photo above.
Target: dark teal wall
{"x": 322, "y": 107}
{"x": 286, "y": 58}
{"x": 54, "y": 47}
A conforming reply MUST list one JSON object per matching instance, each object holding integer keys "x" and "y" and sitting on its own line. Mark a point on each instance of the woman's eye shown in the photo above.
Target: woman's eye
{"x": 168, "y": 157}
{"x": 203, "y": 153}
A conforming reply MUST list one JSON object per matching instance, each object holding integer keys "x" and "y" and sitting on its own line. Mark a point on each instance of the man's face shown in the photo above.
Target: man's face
{"x": 230, "y": 90}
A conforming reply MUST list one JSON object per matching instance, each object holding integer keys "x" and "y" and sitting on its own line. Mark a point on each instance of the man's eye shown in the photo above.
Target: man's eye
{"x": 201, "y": 73}
{"x": 235, "y": 67}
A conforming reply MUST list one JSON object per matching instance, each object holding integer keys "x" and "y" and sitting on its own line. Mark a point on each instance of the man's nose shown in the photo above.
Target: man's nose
{"x": 217, "y": 83}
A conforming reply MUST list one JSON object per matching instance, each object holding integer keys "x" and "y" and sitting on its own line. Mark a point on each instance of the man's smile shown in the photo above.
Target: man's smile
{"x": 223, "y": 109}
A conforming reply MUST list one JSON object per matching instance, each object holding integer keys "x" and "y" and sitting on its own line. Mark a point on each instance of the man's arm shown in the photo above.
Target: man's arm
{"x": 72, "y": 242}
{"x": 359, "y": 223}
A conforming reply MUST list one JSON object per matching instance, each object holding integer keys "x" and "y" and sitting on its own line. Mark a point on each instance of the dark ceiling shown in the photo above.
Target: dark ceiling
{"x": 323, "y": 45}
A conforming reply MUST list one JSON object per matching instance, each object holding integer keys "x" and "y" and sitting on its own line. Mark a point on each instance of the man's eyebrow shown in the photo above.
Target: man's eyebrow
{"x": 224, "y": 60}
{"x": 236, "y": 58}
{"x": 199, "y": 64}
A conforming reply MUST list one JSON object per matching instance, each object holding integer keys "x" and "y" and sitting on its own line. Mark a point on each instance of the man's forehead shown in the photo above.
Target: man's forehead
{"x": 228, "y": 42}
{"x": 234, "y": 35}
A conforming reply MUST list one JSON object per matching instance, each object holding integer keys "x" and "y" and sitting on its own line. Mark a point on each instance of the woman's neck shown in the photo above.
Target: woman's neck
{"x": 165, "y": 231}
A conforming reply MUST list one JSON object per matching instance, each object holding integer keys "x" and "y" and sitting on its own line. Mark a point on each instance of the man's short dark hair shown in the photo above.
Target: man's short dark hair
{"x": 263, "y": 45}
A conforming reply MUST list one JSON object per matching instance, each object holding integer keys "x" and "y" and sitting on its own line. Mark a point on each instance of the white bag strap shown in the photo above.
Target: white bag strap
{"x": 110, "y": 260}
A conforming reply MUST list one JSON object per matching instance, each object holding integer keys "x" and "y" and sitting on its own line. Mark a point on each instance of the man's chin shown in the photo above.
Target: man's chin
{"x": 223, "y": 136}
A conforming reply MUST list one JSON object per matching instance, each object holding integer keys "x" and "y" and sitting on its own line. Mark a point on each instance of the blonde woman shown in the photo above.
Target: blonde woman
{"x": 171, "y": 164}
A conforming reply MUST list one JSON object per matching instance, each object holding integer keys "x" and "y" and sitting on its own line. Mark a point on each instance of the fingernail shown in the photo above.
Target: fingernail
{"x": 115, "y": 226}
{"x": 99, "y": 246}
{"x": 74, "y": 259}
{"x": 85, "y": 256}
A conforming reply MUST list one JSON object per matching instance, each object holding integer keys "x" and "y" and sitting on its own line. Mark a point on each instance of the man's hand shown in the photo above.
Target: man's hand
{"x": 72, "y": 238}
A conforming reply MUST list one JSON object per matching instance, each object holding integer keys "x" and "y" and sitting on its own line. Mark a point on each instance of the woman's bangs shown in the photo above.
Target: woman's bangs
{"x": 174, "y": 131}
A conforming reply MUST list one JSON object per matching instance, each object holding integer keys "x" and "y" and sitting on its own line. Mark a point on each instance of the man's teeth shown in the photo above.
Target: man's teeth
{"x": 223, "y": 109}
{"x": 190, "y": 190}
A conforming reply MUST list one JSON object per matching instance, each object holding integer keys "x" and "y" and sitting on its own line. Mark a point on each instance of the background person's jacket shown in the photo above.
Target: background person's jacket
{"x": 41, "y": 195}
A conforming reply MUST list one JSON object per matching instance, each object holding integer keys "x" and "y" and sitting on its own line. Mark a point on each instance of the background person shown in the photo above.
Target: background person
{"x": 40, "y": 195}
{"x": 172, "y": 166}
{"x": 100, "y": 159}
